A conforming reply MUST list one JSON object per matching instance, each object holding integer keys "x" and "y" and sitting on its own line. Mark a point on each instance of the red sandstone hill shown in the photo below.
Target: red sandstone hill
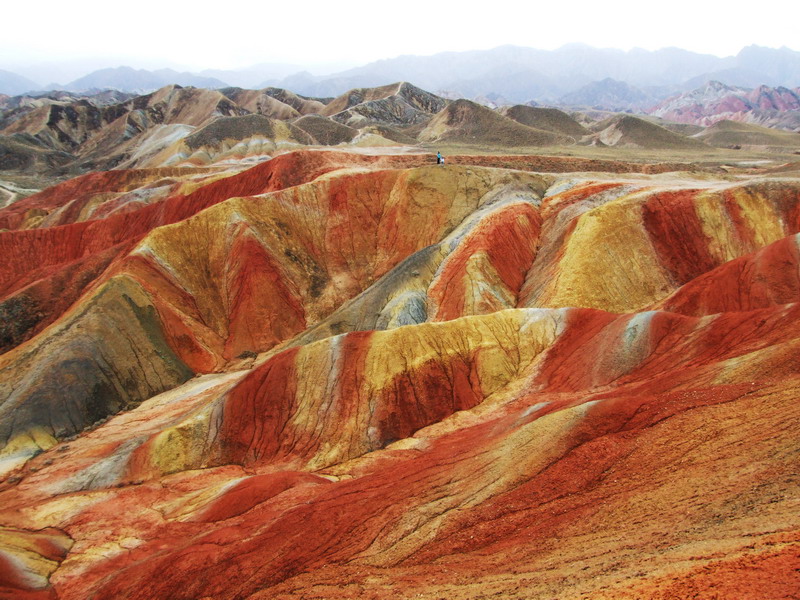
{"x": 344, "y": 376}
{"x": 768, "y": 107}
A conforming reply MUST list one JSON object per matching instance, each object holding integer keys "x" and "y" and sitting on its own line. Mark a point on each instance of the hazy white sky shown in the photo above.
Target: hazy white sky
{"x": 150, "y": 33}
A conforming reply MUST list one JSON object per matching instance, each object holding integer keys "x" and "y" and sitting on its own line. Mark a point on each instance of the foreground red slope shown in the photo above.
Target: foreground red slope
{"x": 360, "y": 251}
{"x": 765, "y": 278}
{"x": 562, "y": 457}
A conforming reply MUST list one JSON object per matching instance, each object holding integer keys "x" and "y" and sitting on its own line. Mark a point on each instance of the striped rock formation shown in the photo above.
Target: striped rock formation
{"x": 345, "y": 376}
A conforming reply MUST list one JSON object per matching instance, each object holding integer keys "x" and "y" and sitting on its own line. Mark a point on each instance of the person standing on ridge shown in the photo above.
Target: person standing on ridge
{"x": 439, "y": 158}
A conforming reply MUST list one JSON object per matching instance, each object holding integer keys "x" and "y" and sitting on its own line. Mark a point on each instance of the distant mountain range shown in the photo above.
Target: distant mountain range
{"x": 524, "y": 74}
{"x": 609, "y": 94}
{"x": 630, "y": 80}
{"x": 140, "y": 81}
{"x": 13, "y": 84}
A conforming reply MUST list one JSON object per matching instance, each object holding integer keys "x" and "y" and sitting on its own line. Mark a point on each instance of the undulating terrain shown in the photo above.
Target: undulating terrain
{"x": 48, "y": 138}
{"x": 246, "y": 365}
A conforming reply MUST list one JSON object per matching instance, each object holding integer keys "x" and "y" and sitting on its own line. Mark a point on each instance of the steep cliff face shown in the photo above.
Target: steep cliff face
{"x": 351, "y": 376}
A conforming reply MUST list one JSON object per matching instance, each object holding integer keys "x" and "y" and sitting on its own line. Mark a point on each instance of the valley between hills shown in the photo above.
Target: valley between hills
{"x": 256, "y": 345}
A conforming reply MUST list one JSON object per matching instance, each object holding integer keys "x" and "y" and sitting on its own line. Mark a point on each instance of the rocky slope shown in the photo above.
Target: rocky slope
{"x": 274, "y": 102}
{"x": 344, "y": 376}
{"x": 546, "y": 119}
{"x": 105, "y": 136}
{"x": 147, "y": 130}
{"x": 72, "y": 126}
{"x": 395, "y": 104}
{"x": 162, "y": 128}
{"x": 326, "y": 132}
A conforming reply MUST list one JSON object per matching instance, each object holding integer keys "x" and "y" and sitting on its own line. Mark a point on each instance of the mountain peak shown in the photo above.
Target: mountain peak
{"x": 717, "y": 86}
{"x": 13, "y": 84}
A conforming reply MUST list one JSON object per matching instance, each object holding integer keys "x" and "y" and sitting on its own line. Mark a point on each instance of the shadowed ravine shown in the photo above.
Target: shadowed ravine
{"x": 348, "y": 376}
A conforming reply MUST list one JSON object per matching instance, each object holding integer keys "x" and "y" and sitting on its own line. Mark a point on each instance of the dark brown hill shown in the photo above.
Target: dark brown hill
{"x": 325, "y": 131}
{"x": 465, "y": 122}
{"x": 726, "y": 134}
{"x": 406, "y": 136}
{"x": 633, "y": 132}
{"x": 546, "y": 119}
{"x": 83, "y": 128}
{"x": 416, "y": 97}
{"x": 260, "y": 103}
{"x": 24, "y": 154}
{"x": 235, "y": 129}
{"x": 398, "y": 104}
{"x": 187, "y": 106}
{"x": 63, "y": 126}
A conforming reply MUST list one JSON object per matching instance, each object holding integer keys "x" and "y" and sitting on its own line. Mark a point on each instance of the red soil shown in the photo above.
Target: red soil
{"x": 677, "y": 234}
{"x": 254, "y": 275}
{"x": 33, "y": 256}
{"x": 765, "y": 278}
{"x": 509, "y": 239}
{"x": 622, "y": 488}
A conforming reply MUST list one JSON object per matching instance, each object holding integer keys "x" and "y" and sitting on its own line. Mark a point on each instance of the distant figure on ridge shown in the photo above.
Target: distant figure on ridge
{"x": 439, "y": 158}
